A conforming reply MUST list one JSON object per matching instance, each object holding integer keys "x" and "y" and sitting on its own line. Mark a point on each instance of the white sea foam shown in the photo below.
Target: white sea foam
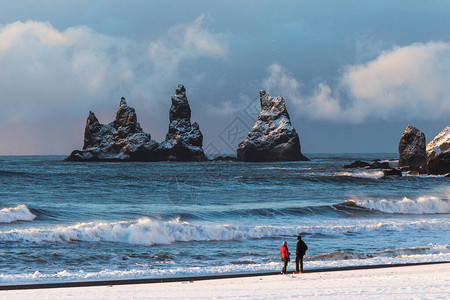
{"x": 150, "y": 232}
{"x": 362, "y": 174}
{"x": 421, "y": 205}
{"x": 18, "y": 213}
{"x": 150, "y": 272}
{"x": 424, "y": 175}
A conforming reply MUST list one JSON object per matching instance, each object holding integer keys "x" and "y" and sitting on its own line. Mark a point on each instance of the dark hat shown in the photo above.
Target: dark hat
{"x": 299, "y": 238}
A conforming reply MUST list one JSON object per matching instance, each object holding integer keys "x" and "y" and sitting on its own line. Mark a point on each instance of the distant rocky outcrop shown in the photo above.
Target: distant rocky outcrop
{"x": 412, "y": 148}
{"x": 357, "y": 164}
{"x": 392, "y": 172}
{"x": 272, "y": 138}
{"x": 224, "y": 158}
{"x": 438, "y": 151}
{"x": 124, "y": 140}
{"x": 365, "y": 165}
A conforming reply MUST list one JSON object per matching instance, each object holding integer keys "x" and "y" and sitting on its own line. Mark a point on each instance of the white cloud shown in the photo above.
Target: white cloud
{"x": 408, "y": 83}
{"x": 226, "y": 108}
{"x": 77, "y": 69}
{"x": 186, "y": 41}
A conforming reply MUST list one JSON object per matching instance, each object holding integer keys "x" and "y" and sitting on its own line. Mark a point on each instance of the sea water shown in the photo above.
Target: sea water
{"x": 65, "y": 221}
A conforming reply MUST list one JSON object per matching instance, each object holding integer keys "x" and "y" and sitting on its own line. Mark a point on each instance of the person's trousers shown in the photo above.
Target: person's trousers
{"x": 299, "y": 259}
{"x": 285, "y": 260}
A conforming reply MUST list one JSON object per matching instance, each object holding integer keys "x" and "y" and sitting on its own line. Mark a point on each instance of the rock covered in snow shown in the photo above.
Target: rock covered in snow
{"x": 412, "y": 148}
{"x": 124, "y": 140}
{"x": 183, "y": 140}
{"x": 441, "y": 143}
{"x": 438, "y": 151}
{"x": 272, "y": 138}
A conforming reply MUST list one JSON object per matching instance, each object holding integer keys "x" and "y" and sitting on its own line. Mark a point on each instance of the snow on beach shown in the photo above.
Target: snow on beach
{"x": 418, "y": 282}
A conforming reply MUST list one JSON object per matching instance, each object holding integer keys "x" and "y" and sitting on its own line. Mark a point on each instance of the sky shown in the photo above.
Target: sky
{"x": 354, "y": 74}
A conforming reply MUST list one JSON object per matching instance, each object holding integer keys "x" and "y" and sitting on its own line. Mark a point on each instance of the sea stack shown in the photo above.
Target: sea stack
{"x": 438, "y": 151}
{"x": 412, "y": 148}
{"x": 124, "y": 140}
{"x": 184, "y": 140}
{"x": 272, "y": 138}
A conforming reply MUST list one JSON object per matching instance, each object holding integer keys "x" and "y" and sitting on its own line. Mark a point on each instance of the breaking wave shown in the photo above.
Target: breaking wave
{"x": 422, "y": 205}
{"x": 362, "y": 174}
{"x": 150, "y": 232}
{"x": 388, "y": 253}
{"x": 18, "y": 213}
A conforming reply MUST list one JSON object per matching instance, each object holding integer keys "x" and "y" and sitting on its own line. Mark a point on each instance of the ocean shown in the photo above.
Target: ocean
{"x": 65, "y": 221}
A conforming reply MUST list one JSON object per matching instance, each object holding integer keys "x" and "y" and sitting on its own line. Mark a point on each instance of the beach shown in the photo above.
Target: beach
{"x": 404, "y": 282}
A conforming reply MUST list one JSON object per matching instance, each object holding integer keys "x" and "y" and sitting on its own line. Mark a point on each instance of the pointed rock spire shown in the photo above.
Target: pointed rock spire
{"x": 184, "y": 140}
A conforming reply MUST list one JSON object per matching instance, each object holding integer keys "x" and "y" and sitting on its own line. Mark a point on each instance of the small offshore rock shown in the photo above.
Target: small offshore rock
{"x": 357, "y": 164}
{"x": 392, "y": 172}
{"x": 225, "y": 158}
{"x": 380, "y": 165}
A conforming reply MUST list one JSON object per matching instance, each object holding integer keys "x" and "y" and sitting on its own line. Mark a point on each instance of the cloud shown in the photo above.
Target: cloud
{"x": 183, "y": 42}
{"x": 78, "y": 69}
{"x": 408, "y": 83}
{"x": 226, "y": 108}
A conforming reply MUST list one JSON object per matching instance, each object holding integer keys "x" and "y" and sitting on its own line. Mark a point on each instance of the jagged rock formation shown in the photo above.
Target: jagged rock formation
{"x": 438, "y": 151}
{"x": 184, "y": 140}
{"x": 272, "y": 138}
{"x": 412, "y": 148}
{"x": 124, "y": 139}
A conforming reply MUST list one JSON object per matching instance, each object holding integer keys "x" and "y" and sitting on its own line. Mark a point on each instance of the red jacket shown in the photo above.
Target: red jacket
{"x": 284, "y": 252}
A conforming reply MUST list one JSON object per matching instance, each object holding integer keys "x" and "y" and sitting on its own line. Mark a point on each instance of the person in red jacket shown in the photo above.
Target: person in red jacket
{"x": 285, "y": 256}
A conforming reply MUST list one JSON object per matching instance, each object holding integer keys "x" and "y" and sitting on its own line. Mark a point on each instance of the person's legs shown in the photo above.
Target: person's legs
{"x": 301, "y": 264}
{"x": 285, "y": 260}
{"x": 297, "y": 260}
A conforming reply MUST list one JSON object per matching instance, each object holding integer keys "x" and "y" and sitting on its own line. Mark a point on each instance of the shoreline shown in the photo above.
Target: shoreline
{"x": 117, "y": 282}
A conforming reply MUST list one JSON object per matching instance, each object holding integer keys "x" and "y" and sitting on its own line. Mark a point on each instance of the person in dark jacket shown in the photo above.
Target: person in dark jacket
{"x": 301, "y": 250}
{"x": 285, "y": 256}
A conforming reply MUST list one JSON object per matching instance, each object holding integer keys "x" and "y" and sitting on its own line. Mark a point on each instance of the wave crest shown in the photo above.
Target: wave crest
{"x": 149, "y": 232}
{"x": 361, "y": 174}
{"x": 422, "y": 205}
{"x": 18, "y": 213}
